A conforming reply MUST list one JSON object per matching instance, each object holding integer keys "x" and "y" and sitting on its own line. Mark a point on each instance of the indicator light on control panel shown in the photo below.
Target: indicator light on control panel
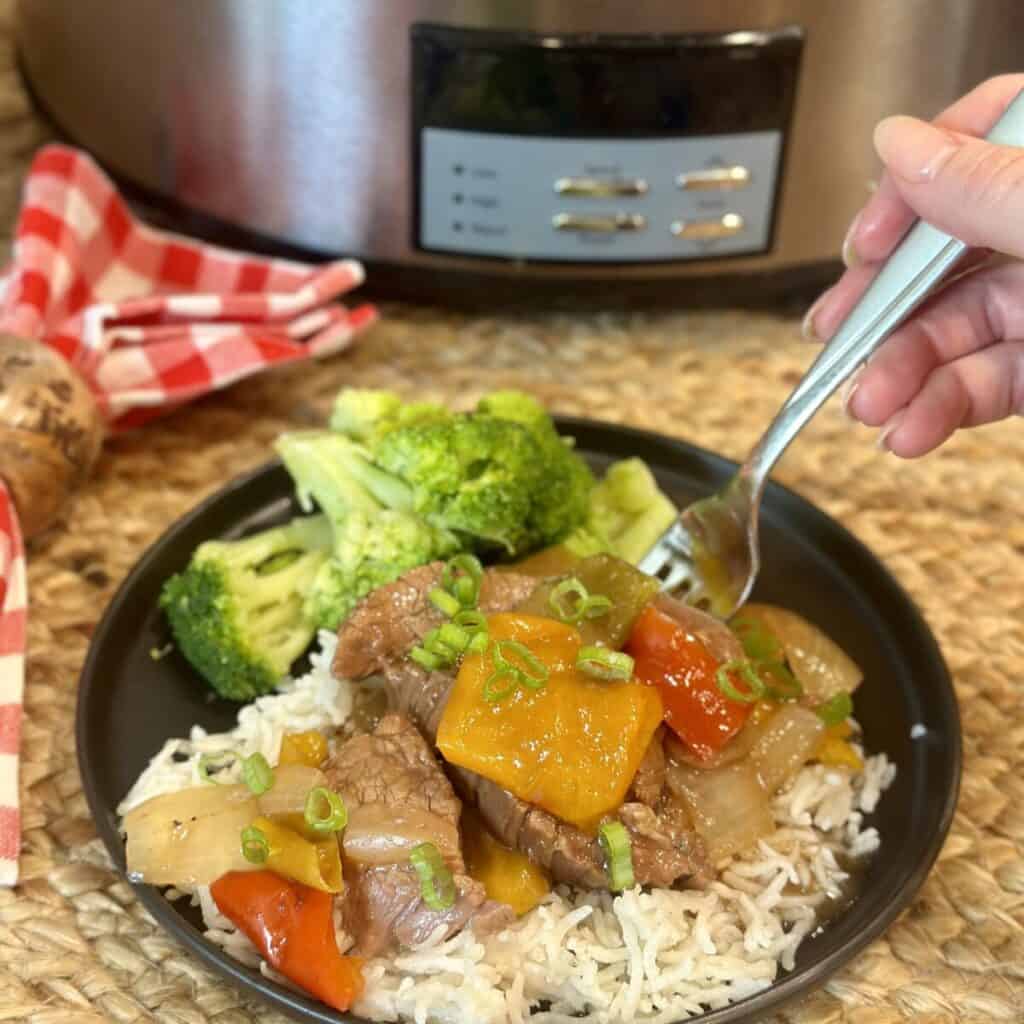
{"x": 598, "y": 223}
{"x": 708, "y": 230}
{"x": 715, "y": 179}
{"x": 595, "y": 188}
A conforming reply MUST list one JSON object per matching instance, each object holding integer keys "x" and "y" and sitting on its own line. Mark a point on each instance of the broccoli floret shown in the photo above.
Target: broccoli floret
{"x": 471, "y": 474}
{"x": 519, "y": 407}
{"x": 371, "y": 550}
{"x": 377, "y": 536}
{"x": 366, "y": 415}
{"x": 563, "y": 500}
{"x": 339, "y": 475}
{"x": 237, "y": 611}
{"x": 627, "y": 514}
{"x": 358, "y": 412}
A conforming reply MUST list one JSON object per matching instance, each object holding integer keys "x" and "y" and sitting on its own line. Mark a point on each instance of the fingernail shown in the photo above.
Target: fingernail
{"x": 848, "y": 391}
{"x": 913, "y": 150}
{"x": 849, "y": 254}
{"x": 885, "y": 432}
{"x": 807, "y": 327}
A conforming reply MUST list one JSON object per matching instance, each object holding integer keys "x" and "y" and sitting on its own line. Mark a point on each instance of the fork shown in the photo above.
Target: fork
{"x": 710, "y": 555}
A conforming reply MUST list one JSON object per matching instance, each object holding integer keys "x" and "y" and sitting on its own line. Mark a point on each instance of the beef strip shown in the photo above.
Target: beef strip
{"x": 383, "y": 908}
{"x": 649, "y": 781}
{"x": 376, "y": 639}
{"x": 387, "y": 623}
{"x": 393, "y": 767}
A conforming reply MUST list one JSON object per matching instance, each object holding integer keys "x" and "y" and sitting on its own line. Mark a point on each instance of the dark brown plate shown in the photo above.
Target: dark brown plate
{"x": 129, "y": 704}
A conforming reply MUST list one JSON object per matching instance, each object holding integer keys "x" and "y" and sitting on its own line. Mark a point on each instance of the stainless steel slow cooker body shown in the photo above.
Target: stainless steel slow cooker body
{"x": 314, "y": 125}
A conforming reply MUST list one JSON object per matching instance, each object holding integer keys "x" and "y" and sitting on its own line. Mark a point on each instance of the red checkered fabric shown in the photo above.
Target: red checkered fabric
{"x": 151, "y": 320}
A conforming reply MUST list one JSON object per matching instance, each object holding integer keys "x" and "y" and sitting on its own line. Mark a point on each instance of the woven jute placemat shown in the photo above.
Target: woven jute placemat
{"x": 75, "y": 947}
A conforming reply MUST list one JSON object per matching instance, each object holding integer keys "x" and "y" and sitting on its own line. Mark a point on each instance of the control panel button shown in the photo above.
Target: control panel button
{"x": 598, "y": 223}
{"x": 597, "y": 187}
{"x": 707, "y": 230}
{"x": 715, "y": 179}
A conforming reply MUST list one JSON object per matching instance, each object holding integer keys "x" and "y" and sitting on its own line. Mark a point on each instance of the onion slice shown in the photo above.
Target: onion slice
{"x": 820, "y": 665}
{"x": 729, "y": 806}
{"x": 191, "y": 837}
{"x": 379, "y": 834}
{"x": 788, "y": 742}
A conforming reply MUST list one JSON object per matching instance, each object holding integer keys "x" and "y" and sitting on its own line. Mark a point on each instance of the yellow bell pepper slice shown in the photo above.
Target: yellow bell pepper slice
{"x": 571, "y": 747}
{"x": 308, "y": 748}
{"x": 507, "y": 876}
{"x": 835, "y": 749}
{"x": 316, "y": 864}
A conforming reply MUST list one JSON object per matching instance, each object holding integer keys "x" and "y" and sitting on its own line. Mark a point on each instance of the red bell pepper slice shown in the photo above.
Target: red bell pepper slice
{"x": 668, "y": 656}
{"x": 292, "y": 926}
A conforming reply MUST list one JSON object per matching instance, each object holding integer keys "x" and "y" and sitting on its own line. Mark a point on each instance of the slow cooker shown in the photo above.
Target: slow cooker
{"x": 499, "y": 149}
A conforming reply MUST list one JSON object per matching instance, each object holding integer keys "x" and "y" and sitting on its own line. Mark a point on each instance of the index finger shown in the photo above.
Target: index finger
{"x": 884, "y": 219}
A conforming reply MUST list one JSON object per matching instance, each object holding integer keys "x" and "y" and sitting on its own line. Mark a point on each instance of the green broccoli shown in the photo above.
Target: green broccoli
{"x": 366, "y": 415}
{"x": 371, "y": 550}
{"x": 473, "y": 475}
{"x": 627, "y": 514}
{"x": 237, "y": 610}
{"x": 339, "y": 474}
{"x": 562, "y": 501}
{"x": 376, "y": 537}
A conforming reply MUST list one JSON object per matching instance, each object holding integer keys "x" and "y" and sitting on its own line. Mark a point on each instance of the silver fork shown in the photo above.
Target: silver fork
{"x": 710, "y": 555}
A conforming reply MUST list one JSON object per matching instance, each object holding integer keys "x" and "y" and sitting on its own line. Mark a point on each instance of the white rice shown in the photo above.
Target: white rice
{"x": 654, "y": 956}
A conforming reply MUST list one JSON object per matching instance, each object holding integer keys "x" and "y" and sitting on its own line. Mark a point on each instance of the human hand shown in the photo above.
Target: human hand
{"x": 959, "y": 360}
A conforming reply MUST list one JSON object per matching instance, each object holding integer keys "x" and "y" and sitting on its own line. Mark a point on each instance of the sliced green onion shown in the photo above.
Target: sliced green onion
{"x": 566, "y": 599}
{"x": 780, "y": 683}
{"x": 325, "y": 811}
{"x": 602, "y": 663}
{"x": 729, "y": 688}
{"x": 618, "y": 855}
{"x": 466, "y": 591}
{"x": 453, "y": 637}
{"x": 595, "y": 606}
{"x": 437, "y": 887}
{"x": 759, "y": 642}
{"x": 500, "y": 683}
{"x": 255, "y": 848}
{"x": 572, "y": 602}
{"x": 257, "y": 774}
{"x": 461, "y": 578}
{"x": 430, "y": 661}
{"x": 471, "y": 620}
{"x": 532, "y": 671}
{"x": 836, "y": 709}
{"x": 210, "y": 764}
{"x": 444, "y": 602}
{"x": 478, "y": 643}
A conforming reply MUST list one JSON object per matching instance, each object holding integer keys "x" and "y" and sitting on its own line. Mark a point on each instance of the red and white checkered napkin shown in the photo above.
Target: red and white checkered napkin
{"x": 150, "y": 320}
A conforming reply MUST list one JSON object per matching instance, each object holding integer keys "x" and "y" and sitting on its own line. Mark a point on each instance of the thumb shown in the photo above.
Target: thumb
{"x": 967, "y": 187}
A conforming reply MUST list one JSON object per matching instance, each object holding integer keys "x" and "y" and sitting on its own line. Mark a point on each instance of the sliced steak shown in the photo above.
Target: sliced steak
{"x": 664, "y": 847}
{"x": 387, "y": 623}
{"x": 649, "y": 781}
{"x": 392, "y": 778}
{"x": 391, "y": 774}
{"x": 383, "y": 907}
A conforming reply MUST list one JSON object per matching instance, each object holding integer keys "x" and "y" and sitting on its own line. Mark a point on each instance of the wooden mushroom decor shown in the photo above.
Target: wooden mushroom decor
{"x": 50, "y": 430}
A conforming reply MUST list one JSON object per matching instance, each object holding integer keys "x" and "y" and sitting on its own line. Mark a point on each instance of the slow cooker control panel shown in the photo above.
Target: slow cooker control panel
{"x": 597, "y": 199}
{"x": 612, "y": 149}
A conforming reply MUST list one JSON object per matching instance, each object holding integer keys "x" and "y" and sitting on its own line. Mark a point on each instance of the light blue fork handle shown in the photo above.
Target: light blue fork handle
{"x": 913, "y": 270}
